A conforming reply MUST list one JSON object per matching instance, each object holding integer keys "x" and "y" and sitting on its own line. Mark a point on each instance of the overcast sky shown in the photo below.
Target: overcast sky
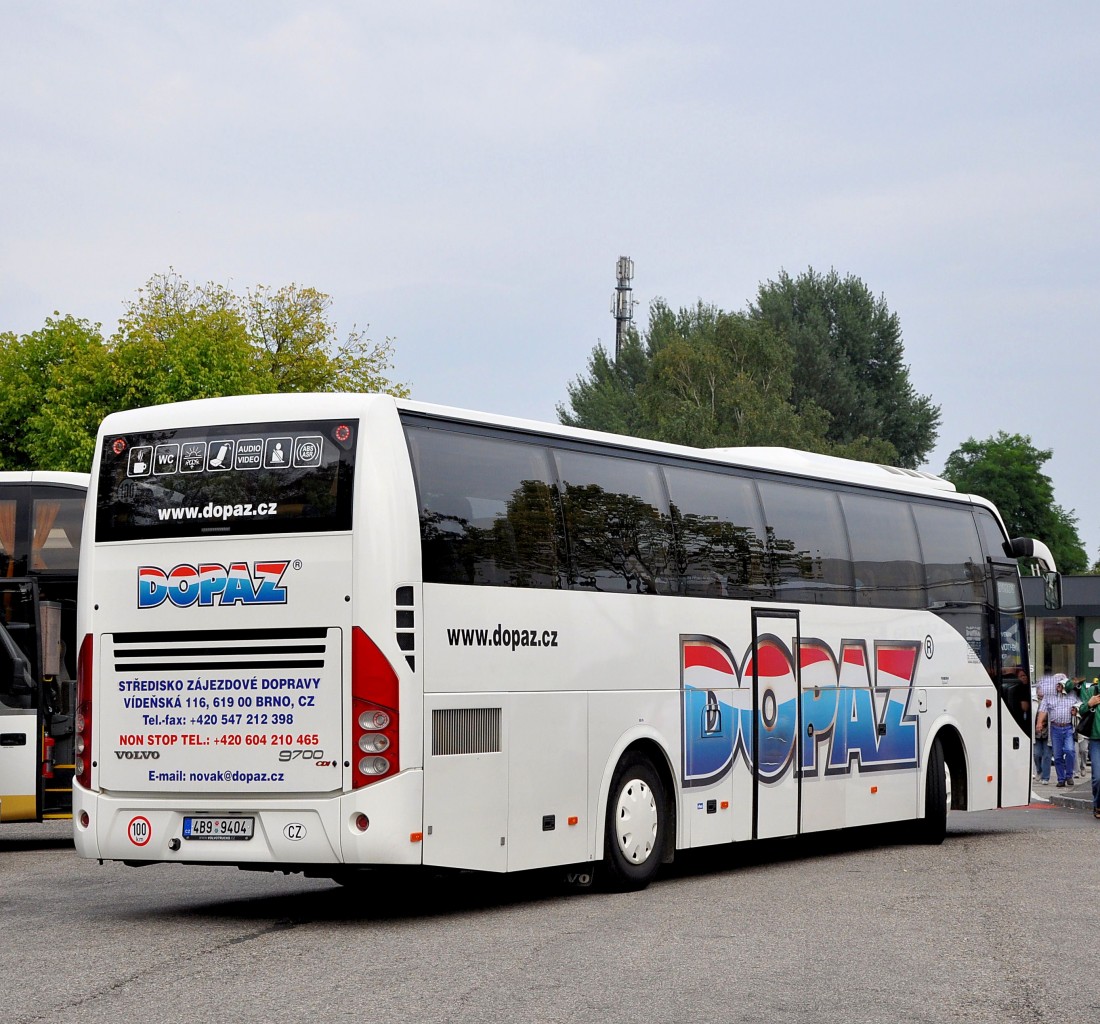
{"x": 461, "y": 178}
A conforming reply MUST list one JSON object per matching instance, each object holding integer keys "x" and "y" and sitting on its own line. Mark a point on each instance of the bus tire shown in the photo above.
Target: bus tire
{"x": 932, "y": 828}
{"x": 637, "y": 822}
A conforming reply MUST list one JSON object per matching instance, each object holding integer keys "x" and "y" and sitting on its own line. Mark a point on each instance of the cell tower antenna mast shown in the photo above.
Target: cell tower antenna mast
{"x": 622, "y": 302}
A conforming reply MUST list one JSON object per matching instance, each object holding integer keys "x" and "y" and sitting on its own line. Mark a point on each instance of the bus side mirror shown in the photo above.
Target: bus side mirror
{"x": 1052, "y": 589}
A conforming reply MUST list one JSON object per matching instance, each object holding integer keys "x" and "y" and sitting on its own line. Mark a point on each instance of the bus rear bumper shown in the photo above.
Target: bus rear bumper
{"x": 376, "y": 825}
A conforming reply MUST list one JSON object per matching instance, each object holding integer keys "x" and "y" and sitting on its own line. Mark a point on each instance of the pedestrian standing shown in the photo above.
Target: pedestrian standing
{"x": 1075, "y": 688}
{"x": 1090, "y": 698}
{"x": 1041, "y": 752}
{"x": 1058, "y": 712}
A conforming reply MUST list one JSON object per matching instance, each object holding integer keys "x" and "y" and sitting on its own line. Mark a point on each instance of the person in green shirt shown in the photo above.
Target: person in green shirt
{"x": 1090, "y": 698}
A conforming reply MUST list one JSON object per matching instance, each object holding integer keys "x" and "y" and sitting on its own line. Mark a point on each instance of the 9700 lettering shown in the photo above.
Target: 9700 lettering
{"x": 301, "y": 754}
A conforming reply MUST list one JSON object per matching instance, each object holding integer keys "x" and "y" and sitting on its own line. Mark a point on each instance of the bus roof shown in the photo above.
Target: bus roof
{"x": 45, "y": 476}
{"x": 774, "y": 458}
{"x": 253, "y": 408}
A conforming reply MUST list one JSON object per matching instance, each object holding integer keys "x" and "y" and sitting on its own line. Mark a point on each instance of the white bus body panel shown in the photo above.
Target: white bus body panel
{"x": 574, "y": 679}
{"x": 18, "y": 763}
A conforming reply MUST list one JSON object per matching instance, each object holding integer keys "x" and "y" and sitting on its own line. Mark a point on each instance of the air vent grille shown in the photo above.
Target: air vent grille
{"x": 466, "y": 731}
{"x": 224, "y": 649}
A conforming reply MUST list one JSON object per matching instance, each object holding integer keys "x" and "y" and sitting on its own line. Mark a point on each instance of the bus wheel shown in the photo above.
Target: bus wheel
{"x": 637, "y": 818}
{"x": 932, "y": 828}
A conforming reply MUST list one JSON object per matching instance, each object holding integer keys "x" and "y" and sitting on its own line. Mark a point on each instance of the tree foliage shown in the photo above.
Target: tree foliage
{"x": 848, "y": 360}
{"x": 1007, "y": 469}
{"x": 705, "y": 377}
{"x": 175, "y": 341}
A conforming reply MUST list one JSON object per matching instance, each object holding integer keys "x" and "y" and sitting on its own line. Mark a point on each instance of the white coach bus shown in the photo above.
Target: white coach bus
{"x": 329, "y": 632}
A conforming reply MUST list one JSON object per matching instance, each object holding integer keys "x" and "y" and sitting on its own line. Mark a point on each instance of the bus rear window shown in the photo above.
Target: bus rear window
{"x": 217, "y": 480}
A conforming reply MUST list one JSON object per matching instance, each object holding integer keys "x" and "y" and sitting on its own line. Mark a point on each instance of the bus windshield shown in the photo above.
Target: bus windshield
{"x": 240, "y": 479}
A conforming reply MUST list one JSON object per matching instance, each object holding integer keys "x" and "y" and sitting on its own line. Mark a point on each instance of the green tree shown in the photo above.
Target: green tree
{"x": 175, "y": 341}
{"x": 705, "y": 377}
{"x": 55, "y": 387}
{"x": 848, "y": 360}
{"x": 300, "y": 348}
{"x": 1007, "y": 469}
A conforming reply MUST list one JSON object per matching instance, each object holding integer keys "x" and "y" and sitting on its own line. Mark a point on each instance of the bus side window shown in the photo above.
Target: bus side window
{"x": 618, "y": 524}
{"x": 953, "y": 558}
{"x": 808, "y": 557}
{"x": 56, "y": 519}
{"x": 719, "y": 533}
{"x": 17, "y": 689}
{"x": 488, "y": 510}
{"x": 886, "y": 557}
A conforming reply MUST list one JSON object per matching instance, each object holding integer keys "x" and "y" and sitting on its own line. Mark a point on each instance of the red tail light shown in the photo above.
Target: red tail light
{"x": 374, "y": 700}
{"x": 82, "y": 769}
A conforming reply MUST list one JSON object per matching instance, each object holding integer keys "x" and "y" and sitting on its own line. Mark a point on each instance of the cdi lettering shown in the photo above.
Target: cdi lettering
{"x": 209, "y": 584}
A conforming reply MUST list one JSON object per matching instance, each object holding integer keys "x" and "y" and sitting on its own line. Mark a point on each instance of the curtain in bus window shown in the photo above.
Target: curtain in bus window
{"x": 45, "y": 514}
{"x": 886, "y": 557}
{"x": 953, "y": 560}
{"x": 7, "y": 537}
{"x": 806, "y": 548}
{"x": 55, "y": 545}
{"x": 719, "y": 533}
{"x": 617, "y": 524}
{"x": 488, "y": 510}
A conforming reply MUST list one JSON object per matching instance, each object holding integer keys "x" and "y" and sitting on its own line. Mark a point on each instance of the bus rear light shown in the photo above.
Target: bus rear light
{"x": 374, "y": 693}
{"x": 373, "y": 742}
{"x": 84, "y": 820}
{"x": 82, "y": 763}
{"x": 374, "y": 720}
{"x": 373, "y": 766}
{"x": 360, "y": 822}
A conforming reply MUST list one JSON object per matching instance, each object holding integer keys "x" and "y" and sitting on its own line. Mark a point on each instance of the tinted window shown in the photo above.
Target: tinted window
{"x": 953, "y": 560}
{"x": 617, "y": 524}
{"x": 993, "y": 538}
{"x": 488, "y": 510}
{"x": 807, "y": 555}
{"x": 238, "y": 479}
{"x": 886, "y": 557}
{"x": 719, "y": 533}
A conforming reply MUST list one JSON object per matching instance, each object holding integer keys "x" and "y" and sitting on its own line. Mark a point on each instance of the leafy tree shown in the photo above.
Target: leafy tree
{"x": 1007, "y": 469}
{"x": 608, "y": 399}
{"x": 55, "y": 387}
{"x": 175, "y": 341}
{"x": 704, "y": 377}
{"x": 301, "y": 351}
{"x": 848, "y": 355}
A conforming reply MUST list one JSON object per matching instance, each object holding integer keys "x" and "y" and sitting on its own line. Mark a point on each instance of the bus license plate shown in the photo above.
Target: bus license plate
{"x": 212, "y": 827}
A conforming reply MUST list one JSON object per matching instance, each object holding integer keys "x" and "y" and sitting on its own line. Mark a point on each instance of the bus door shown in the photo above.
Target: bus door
{"x": 19, "y": 700}
{"x": 776, "y": 740}
{"x": 1013, "y": 714}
